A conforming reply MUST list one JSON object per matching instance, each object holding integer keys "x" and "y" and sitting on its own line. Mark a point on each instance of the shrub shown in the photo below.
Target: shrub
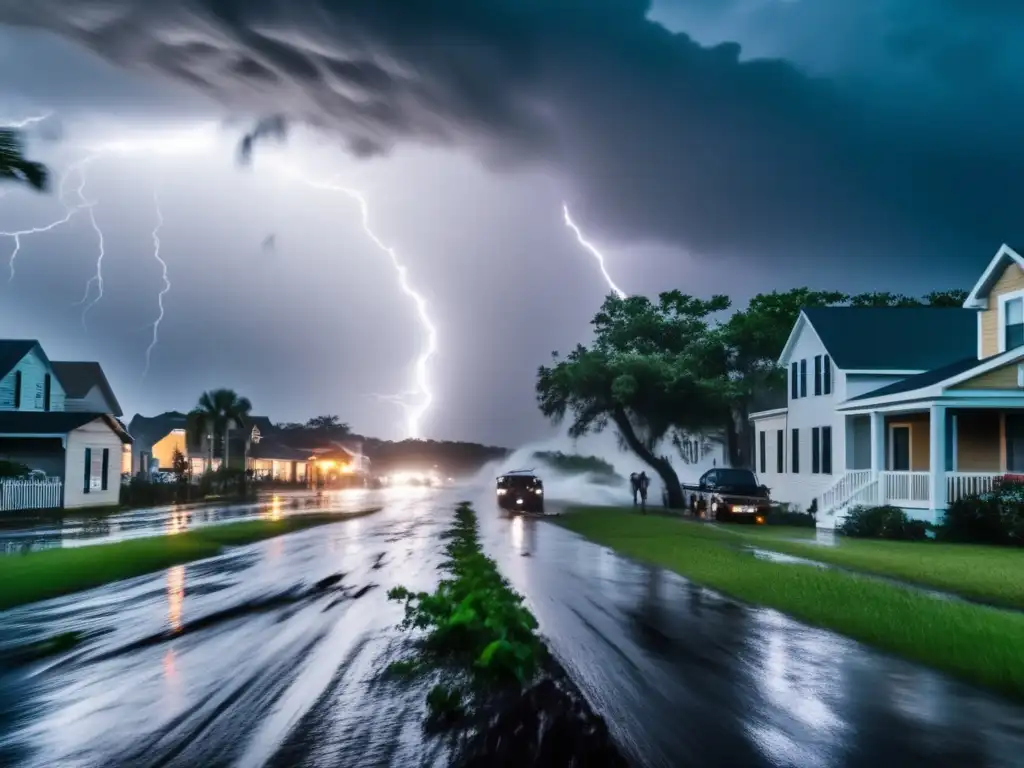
{"x": 788, "y": 517}
{"x": 987, "y": 518}
{"x": 12, "y": 469}
{"x": 883, "y": 522}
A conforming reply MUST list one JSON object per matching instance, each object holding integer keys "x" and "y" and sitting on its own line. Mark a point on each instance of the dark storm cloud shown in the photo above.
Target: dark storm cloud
{"x": 663, "y": 138}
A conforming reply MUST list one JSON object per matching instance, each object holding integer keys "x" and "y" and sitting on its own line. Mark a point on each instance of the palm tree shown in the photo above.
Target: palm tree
{"x": 14, "y": 166}
{"x": 200, "y": 428}
{"x": 223, "y": 410}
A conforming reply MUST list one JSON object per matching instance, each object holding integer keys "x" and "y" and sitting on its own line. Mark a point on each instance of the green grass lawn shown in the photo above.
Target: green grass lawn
{"x": 978, "y": 644}
{"x": 37, "y": 576}
{"x": 993, "y": 575}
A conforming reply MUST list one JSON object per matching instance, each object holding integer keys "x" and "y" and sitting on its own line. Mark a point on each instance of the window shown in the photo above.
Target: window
{"x": 826, "y": 365}
{"x": 826, "y": 450}
{"x": 817, "y": 374}
{"x": 794, "y": 462}
{"x": 780, "y": 451}
{"x": 1013, "y": 317}
{"x": 88, "y": 470}
{"x": 47, "y": 384}
{"x": 816, "y": 450}
{"x": 105, "y": 467}
{"x": 794, "y": 393}
{"x": 803, "y": 378}
{"x": 17, "y": 390}
{"x": 761, "y": 447}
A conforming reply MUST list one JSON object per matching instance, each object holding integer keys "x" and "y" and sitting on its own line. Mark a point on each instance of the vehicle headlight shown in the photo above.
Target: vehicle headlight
{"x": 502, "y": 491}
{"x": 539, "y": 491}
{"x": 714, "y": 506}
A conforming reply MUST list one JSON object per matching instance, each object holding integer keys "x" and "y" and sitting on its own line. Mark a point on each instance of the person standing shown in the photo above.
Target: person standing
{"x": 643, "y": 483}
{"x": 634, "y": 484}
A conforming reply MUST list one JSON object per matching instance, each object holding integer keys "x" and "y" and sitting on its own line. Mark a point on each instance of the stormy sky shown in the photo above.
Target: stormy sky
{"x": 727, "y": 146}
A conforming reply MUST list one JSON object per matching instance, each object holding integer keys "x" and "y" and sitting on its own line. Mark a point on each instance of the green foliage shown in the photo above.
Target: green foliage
{"x": 885, "y": 522}
{"x": 575, "y": 464}
{"x": 180, "y": 466}
{"x": 13, "y": 470}
{"x": 13, "y": 165}
{"x": 989, "y": 518}
{"x": 473, "y": 624}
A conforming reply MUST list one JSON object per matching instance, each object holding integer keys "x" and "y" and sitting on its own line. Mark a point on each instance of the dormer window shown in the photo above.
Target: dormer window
{"x": 1013, "y": 323}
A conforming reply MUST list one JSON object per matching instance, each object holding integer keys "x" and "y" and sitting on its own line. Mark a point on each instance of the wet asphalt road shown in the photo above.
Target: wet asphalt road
{"x": 236, "y": 661}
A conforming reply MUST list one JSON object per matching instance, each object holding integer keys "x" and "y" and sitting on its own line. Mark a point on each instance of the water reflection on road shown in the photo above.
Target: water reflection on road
{"x": 237, "y": 661}
{"x": 77, "y": 530}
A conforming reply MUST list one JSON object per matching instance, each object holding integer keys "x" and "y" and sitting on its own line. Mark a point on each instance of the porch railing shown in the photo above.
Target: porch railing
{"x": 906, "y": 488}
{"x": 841, "y": 491}
{"x": 30, "y": 494}
{"x": 962, "y": 484}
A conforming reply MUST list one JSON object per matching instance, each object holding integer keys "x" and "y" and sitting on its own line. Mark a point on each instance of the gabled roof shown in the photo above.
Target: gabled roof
{"x": 978, "y": 297}
{"x": 78, "y": 379}
{"x": 151, "y": 429}
{"x": 13, "y": 351}
{"x": 54, "y": 423}
{"x": 274, "y": 449}
{"x": 893, "y": 338}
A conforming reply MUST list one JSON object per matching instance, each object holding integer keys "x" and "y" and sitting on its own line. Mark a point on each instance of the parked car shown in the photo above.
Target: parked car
{"x": 729, "y": 495}
{"x": 521, "y": 491}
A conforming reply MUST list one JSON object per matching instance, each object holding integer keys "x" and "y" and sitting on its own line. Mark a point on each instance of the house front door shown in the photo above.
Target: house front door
{"x": 1015, "y": 443}
{"x": 899, "y": 448}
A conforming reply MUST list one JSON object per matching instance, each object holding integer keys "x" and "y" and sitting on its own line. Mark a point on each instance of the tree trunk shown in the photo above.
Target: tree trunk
{"x": 668, "y": 476}
{"x": 739, "y": 439}
{"x": 227, "y": 432}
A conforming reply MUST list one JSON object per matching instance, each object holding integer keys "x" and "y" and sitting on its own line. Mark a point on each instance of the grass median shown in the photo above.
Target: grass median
{"x": 978, "y": 644}
{"x": 36, "y": 576}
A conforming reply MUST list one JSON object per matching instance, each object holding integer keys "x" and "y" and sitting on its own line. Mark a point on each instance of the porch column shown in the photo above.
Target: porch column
{"x": 937, "y": 459}
{"x": 878, "y": 452}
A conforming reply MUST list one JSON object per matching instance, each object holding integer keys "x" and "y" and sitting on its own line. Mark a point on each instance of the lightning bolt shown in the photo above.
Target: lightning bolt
{"x": 96, "y": 279}
{"x": 413, "y": 414}
{"x": 593, "y": 251}
{"x": 167, "y": 282}
{"x": 26, "y": 122}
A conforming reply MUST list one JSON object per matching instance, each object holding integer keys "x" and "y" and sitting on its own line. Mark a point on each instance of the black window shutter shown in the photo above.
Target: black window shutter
{"x": 106, "y": 466}
{"x": 780, "y": 450}
{"x": 47, "y": 385}
{"x": 794, "y": 463}
{"x": 815, "y": 450}
{"x": 88, "y": 469}
{"x": 17, "y": 389}
{"x": 827, "y": 370}
{"x": 803, "y": 378}
{"x": 794, "y": 393}
{"x": 826, "y": 450}
{"x": 817, "y": 374}
{"x": 761, "y": 447}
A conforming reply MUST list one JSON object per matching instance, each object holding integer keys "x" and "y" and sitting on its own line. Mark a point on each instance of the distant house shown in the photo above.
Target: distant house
{"x": 75, "y": 441}
{"x": 912, "y": 407}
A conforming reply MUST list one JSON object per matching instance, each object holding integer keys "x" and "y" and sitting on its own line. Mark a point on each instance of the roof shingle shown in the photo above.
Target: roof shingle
{"x": 78, "y": 379}
{"x": 54, "y": 423}
{"x": 895, "y": 338}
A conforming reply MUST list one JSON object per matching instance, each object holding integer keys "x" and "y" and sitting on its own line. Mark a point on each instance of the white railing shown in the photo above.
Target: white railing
{"x": 961, "y": 484}
{"x": 30, "y": 494}
{"x": 906, "y": 489}
{"x": 842, "y": 489}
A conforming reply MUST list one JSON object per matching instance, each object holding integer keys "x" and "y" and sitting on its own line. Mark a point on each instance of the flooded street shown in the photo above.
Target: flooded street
{"x": 271, "y": 654}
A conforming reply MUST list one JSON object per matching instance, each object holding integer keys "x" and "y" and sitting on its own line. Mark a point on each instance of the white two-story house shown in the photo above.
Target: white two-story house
{"x": 912, "y": 407}
{"x": 60, "y": 421}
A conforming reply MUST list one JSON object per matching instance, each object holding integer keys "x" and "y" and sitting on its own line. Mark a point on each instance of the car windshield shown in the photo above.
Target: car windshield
{"x": 737, "y": 478}
{"x": 518, "y": 481}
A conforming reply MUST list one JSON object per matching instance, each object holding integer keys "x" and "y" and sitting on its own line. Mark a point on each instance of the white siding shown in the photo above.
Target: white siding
{"x": 33, "y": 370}
{"x": 804, "y": 414}
{"x": 770, "y": 427}
{"x": 93, "y": 402}
{"x": 96, "y": 435}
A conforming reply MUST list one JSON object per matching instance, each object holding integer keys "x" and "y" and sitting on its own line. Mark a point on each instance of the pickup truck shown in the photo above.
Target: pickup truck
{"x": 728, "y": 494}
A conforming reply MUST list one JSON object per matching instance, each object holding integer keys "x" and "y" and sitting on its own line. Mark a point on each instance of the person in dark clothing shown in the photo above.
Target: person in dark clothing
{"x": 643, "y": 483}
{"x": 634, "y": 485}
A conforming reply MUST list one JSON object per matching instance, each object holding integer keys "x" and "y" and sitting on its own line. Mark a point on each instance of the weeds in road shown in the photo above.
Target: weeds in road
{"x": 475, "y": 625}
{"x": 976, "y": 643}
{"x": 34, "y": 576}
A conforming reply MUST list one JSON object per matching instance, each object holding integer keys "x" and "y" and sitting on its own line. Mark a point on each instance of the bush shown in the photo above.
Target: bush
{"x": 787, "y": 517}
{"x": 12, "y": 469}
{"x": 988, "y": 518}
{"x": 140, "y": 492}
{"x": 884, "y": 522}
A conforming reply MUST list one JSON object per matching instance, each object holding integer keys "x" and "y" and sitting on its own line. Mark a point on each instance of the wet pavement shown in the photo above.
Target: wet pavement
{"x": 243, "y": 660}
